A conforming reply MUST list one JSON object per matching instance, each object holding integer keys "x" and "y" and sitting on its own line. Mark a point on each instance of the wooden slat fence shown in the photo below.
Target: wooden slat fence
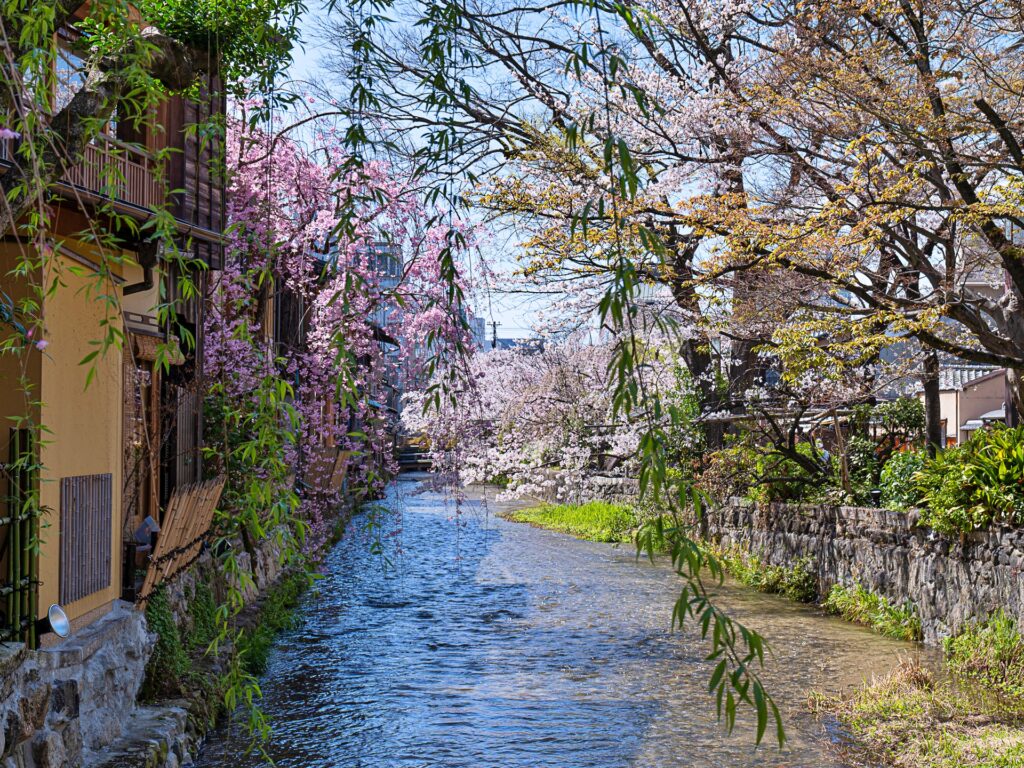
{"x": 186, "y": 523}
{"x": 340, "y": 470}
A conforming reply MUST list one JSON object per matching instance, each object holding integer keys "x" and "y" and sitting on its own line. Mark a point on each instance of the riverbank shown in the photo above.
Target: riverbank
{"x": 182, "y": 694}
{"x": 969, "y": 715}
{"x": 910, "y": 719}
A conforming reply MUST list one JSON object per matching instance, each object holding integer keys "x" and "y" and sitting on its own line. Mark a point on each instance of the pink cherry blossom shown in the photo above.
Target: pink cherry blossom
{"x": 293, "y": 229}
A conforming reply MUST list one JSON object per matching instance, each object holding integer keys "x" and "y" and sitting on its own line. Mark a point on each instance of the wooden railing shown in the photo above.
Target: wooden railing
{"x": 6, "y": 153}
{"x": 118, "y": 171}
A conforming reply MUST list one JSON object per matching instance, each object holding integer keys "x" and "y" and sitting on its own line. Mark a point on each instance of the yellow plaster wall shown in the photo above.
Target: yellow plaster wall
{"x": 143, "y": 302}
{"x": 85, "y": 422}
{"x": 14, "y": 402}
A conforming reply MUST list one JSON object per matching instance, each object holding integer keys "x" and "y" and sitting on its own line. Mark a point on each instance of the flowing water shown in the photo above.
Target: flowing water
{"x": 489, "y": 644}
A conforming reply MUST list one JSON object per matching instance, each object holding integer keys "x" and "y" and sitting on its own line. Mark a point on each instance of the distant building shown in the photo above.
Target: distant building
{"x": 478, "y": 328}
{"x": 970, "y": 397}
{"x": 386, "y": 262}
{"x": 526, "y": 346}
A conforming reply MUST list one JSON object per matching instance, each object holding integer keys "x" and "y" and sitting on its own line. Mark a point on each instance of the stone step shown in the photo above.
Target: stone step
{"x": 153, "y": 737}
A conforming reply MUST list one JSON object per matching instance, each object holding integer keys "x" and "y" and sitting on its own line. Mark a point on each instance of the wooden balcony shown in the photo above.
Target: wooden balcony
{"x": 117, "y": 171}
{"x": 127, "y": 175}
{"x": 6, "y": 152}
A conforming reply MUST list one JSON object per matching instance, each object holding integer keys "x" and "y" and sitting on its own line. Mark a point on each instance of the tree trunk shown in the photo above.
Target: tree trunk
{"x": 744, "y": 371}
{"x": 695, "y": 351}
{"x": 1014, "y": 397}
{"x": 935, "y": 437}
{"x": 697, "y": 354}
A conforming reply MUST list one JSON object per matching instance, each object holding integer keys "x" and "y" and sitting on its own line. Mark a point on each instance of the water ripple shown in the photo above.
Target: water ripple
{"x": 489, "y": 644}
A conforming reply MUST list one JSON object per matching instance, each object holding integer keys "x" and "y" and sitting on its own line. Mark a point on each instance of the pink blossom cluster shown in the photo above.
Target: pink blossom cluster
{"x": 305, "y": 231}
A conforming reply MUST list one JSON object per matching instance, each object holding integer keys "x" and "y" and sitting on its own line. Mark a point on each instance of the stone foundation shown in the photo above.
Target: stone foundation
{"x": 60, "y": 704}
{"x": 950, "y": 582}
{"x": 559, "y": 489}
{"x": 73, "y": 703}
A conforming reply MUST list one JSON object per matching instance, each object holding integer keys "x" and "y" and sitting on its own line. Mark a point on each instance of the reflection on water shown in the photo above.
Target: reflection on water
{"x": 493, "y": 644}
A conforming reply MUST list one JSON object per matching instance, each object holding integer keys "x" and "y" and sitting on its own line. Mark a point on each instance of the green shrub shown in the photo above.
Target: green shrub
{"x": 276, "y": 614}
{"x": 901, "y": 420}
{"x": 729, "y": 472}
{"x": 968, "y": 487}
{"x": 877, "y": 431}
{"x": 991, "y": 652}
{"x": 595, "y": 520}
{"x": 798, "y": 583}
{"x": 169, "y": 663}
{"x": 862, "y": 606}
{"x": 897, "y": 481}
{"x": 862, "y": 462}
{"x": 781, "y": 478}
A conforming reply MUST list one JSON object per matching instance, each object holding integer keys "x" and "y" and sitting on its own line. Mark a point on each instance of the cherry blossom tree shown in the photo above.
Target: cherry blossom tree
{"x": 372, "y": 307}
{"x": 541, "y": 421}
{"x": 860, "y": 161}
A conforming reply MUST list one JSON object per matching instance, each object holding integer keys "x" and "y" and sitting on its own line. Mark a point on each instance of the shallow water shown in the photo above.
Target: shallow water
{"x": 486, "y": 643}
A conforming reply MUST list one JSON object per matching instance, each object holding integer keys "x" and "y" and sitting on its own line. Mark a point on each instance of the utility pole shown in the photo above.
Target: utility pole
{"x": 494, "y": 334}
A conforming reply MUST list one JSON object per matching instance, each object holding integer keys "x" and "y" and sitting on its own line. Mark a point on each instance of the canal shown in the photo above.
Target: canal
{"x": 475, "y": 642}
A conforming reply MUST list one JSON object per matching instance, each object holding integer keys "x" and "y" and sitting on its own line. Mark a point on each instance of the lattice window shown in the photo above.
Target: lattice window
{"x": 189, "y": 438}
{"x": 85, "y": 530}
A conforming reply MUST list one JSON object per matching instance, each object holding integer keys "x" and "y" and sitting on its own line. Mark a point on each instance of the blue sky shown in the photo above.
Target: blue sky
{"x": 514, "y": 314}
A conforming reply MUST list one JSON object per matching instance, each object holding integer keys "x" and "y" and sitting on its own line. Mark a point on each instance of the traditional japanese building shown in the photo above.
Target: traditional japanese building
{"x": 102, "y": 416}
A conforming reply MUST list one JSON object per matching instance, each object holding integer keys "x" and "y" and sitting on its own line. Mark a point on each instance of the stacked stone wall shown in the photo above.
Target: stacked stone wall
{"x": 949, "y": 581}
{"x": 59, "y": 704}
{"x": 75, "y": 703}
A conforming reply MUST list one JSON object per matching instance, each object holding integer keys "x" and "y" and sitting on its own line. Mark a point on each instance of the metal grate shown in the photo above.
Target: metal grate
{"x": 85, "y": 530}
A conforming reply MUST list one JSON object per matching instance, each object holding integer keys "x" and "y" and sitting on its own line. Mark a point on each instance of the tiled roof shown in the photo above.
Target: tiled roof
{"x": 956, "y": 377}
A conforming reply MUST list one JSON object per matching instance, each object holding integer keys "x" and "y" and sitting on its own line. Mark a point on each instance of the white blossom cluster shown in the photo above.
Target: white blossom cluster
{"x": 540, "y": 422}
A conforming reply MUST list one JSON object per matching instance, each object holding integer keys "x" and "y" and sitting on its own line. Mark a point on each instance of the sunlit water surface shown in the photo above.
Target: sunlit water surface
{"x": 488, "y": 644}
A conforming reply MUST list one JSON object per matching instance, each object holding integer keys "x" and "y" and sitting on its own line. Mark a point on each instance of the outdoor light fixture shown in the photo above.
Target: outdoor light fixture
{"x": 59, "y": 624}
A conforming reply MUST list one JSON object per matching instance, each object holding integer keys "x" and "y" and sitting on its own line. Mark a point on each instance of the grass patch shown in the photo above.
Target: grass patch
{"x": 276, "y": 614}
{"x": 991, "y": 653}
{"x": 908, "y": 720}
{"x": 594, "y": 521}
{"x": 862, "y": 606}
{"x": 798, "y": 582}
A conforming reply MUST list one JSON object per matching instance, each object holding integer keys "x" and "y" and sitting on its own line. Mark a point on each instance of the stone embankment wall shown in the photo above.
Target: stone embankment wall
{"x": 950, "y": 582}
{"x": 559, "y": 489}
{"x": 59, "y": 704}
{"x": 75, "y": 703}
